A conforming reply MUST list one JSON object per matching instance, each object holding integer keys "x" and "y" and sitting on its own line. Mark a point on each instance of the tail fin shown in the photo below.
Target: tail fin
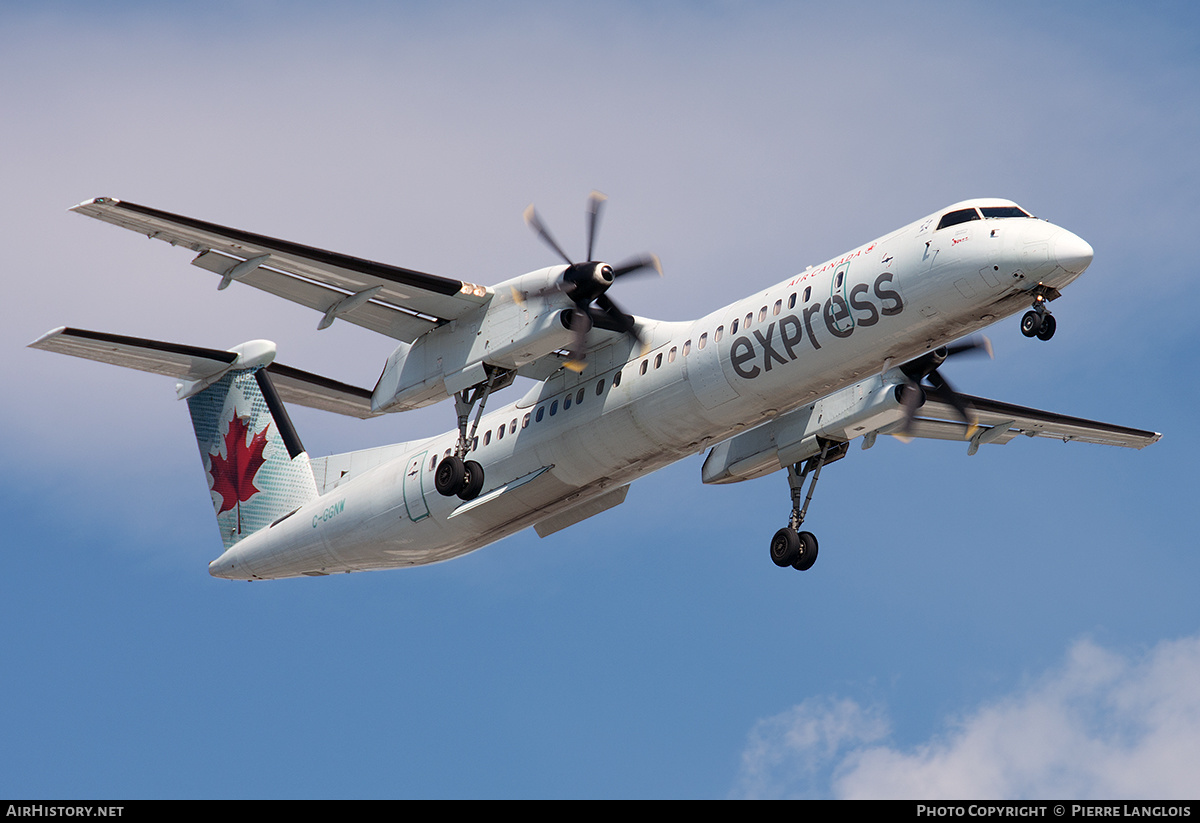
{"x": 257, "y": 469}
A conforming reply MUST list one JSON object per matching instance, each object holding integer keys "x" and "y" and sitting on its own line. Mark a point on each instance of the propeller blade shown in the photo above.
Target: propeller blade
{"x": 911, "y": 399}
{"x": 646, "y": 261}
{"x": 519, "y": 297}
{"x": 595, "y": 205}
{"x": 581, "y": 324}
{"x": 623, "y": 321}
{"x": 532, "y": 220}
{"x": 980, "y": 343}
{"x": 952, "y": 397}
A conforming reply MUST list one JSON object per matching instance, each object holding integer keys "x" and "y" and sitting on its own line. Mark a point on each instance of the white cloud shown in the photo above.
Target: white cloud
{"x": 1102, "y": 726}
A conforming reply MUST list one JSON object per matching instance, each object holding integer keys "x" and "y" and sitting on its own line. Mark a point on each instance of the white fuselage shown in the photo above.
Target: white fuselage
{"x": 578, "y": 438}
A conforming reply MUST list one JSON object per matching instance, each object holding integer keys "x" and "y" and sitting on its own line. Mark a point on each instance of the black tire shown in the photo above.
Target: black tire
{"x": 785, "y": 547}
{"x": 448, "y": 478}
{"x": 1049, "y": 324}
{"x": 808, "y": 552}
{"x": 1031, "y": 323}
{"x": 472, "y": 484}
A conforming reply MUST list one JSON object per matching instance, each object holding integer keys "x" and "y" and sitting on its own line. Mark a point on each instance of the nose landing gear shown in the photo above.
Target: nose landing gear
{"x": 1038, "y": 322}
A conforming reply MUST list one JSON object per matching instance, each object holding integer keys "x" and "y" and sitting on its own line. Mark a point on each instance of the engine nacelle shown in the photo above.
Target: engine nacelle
{"x": 867, "y": 406}
{"x": 520, "y": 324}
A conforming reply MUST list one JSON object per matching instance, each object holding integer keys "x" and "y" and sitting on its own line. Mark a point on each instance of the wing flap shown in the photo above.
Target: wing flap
{"x": 389, "y": 320}
{"x": 271, "y": 262}
{"x": 1001, "y": 422}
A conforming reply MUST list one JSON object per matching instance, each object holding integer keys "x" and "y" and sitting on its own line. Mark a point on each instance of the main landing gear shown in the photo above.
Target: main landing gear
{"x": 790, "y": 546}
{"x": 1038, "y": 322}
{"x": 455, "y": 475}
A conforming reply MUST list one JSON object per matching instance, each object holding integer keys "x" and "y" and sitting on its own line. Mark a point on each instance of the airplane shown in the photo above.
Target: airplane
{"x": 782, "y": 380}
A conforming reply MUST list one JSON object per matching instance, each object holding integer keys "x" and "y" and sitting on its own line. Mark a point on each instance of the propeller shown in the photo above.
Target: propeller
{"x": 586, "y": 283}
{"x": 926, "y": 368}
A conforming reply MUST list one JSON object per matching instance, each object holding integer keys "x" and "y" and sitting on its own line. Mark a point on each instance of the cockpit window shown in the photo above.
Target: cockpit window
{"x": 953, "y": 218}
{"x": 990, "y": 212}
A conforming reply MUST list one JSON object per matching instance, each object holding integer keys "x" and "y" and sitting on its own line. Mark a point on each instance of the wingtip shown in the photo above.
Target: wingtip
{"x": 52, "y": 333}
{"x": 95, "y": 201}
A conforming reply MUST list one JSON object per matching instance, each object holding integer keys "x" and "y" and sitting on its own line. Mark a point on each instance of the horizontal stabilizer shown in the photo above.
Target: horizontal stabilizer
{"x": 173, "y": 360}
{"x": 205, "y": 366}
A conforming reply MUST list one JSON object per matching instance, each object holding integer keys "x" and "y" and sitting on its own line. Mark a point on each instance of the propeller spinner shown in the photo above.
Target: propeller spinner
{"x": 586, "y": 283}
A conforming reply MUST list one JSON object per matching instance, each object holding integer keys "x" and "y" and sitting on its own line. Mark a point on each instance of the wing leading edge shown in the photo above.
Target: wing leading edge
{"x": 397, "y": 302}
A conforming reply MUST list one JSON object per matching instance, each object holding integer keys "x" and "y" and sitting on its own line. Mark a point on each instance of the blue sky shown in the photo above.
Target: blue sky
{"x": 1021, "y": 623}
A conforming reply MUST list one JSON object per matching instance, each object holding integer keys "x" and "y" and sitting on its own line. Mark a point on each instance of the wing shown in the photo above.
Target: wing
{"x": 1001, "y": 422}
{"x": 400, "y": 303}
{"x": 197, "y": 365}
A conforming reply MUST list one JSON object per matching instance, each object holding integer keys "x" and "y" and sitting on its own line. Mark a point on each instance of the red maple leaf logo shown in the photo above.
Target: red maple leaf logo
{"x": 233, "y": 475}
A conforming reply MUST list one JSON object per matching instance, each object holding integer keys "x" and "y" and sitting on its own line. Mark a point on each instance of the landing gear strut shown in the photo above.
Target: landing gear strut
{"x": 790, "y": 546}
{"x": 1038, "y": 322}
{"x": 456, "y": 476}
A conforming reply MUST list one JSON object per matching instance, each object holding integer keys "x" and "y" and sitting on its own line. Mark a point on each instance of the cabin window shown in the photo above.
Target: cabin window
{"x": 600, "y": 387}
{"x": 566, "y": 403}
{"x": 487, "y": 437}
{"x": 554, "y": 408}
{"x": 720, "y": 333}
{"x": 645, "y": 365}
{"x": 525, "y": 422}
{"x": 541, "y": 412}
{"x": 778, "y": 307}
{"x": 703, "y": 341}
{"x": 792, "y": 301}
{"x": 671, "y": 355}
{"x": 512, "y": 427}
{"x": 687, "y": 347}
{"x": 500, "y": 432}
{"x": 433, "y": 463}
{"x": 616, "y": 379}
{"x": 579, "y": 397}
{"x": 762, "y": 315}
{"x": 474, "y": 444}
{"x": 733, "y": 327}
{"x": 807, "y": 293}
{"x": 658, "y": 360}
{"x": 953, "y": 218}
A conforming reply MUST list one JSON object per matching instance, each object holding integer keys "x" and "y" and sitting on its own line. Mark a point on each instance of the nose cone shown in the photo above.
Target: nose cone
{"x": 1073, "y": 253}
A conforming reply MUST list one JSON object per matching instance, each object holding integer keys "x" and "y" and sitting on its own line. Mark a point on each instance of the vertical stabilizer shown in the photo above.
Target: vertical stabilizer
{"x": 257, "y": 469}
